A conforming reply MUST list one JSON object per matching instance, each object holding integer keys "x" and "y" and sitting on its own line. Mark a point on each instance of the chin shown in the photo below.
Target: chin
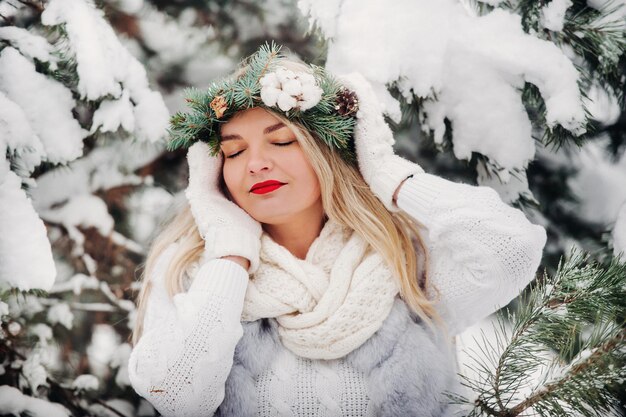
{"x": 269, "y": 219}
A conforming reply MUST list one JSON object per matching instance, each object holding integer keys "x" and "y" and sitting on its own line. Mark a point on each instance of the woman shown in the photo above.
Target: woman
{"x": 313, "y": 271}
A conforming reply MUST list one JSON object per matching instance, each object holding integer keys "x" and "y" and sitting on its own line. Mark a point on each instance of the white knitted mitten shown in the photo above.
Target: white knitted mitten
{"x": 382, "y": 170}
{"x": 225, "y": 227}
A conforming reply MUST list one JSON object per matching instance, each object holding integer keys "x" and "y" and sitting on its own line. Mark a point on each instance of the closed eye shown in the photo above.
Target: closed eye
{"x": 234, "y": 155}
{"x": 284, "y": 143}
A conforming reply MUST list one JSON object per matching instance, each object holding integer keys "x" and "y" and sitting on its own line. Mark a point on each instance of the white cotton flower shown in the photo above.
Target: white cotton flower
{"x": 293, "y": 87}
{"x": 306, "y": 78}
{"x": 289, "y": 90}
{"x": 269, "y": 80}
{"x": 312, "y": 93}
{"x": 306, "y": 104}
{"x": 286, "y": 102}
{"x": 284, "y": 75}
{"x": 269, "y": 95}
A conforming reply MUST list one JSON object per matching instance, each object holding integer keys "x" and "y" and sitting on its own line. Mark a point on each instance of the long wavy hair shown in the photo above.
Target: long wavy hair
{"x": 346, "y": 199}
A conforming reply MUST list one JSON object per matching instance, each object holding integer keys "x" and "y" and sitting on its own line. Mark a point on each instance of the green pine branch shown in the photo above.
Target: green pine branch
{"x": 571, "y": 330}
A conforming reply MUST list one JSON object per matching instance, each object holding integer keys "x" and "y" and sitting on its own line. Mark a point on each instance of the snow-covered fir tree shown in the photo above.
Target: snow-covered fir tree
{"x": 525, "y": 96}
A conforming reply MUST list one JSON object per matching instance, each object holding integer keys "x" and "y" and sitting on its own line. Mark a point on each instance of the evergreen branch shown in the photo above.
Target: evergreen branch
{"x": 577, "y": 369}
{"x": 273, "y": 52}
{"x": 580, "y": 294}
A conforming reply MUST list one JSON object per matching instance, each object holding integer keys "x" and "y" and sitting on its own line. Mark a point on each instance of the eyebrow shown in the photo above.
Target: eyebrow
{"x": 267, "y": 130}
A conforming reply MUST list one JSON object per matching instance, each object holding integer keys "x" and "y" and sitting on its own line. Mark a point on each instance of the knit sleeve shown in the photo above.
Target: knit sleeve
{"x": 482, "y": 251}
{"x": 181, "y": 362}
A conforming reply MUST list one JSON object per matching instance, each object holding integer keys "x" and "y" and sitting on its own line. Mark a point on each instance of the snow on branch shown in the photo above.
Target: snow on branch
{"x": 106, "y": 69}
{"x": 470, "y": 70}
{"x": 12, "y": 401}
{"x": 25, "y": 251}
{"x": 47, "y": 105}
{"x": 30, "y": 45}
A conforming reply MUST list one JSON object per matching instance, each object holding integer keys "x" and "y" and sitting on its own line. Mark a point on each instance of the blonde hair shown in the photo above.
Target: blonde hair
{"x": 346, "y": 199}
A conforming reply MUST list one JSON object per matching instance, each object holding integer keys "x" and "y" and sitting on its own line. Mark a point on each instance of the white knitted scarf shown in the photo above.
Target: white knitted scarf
{"x": 327, "y": 304}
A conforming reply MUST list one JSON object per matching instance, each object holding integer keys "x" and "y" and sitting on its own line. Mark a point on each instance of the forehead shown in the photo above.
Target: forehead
{"x": 250, "y": 121}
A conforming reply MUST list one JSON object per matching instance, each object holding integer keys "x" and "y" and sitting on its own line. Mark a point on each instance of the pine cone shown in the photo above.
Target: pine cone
{"x": 346, "y": 102}
{"x": 219, "y": 106}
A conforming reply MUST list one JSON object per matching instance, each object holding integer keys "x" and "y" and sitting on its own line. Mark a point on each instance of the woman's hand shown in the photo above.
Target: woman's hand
{"x": 382, "y": 170}
{"x": 226, "y": 228}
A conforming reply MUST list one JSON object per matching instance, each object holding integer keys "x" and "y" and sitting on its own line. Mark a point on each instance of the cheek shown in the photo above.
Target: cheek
{"x": 230, "y": 179}
{"x": 310, "y": 177}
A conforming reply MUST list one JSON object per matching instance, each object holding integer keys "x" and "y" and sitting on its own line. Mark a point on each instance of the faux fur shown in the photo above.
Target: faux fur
{"x": 408, "y": 367}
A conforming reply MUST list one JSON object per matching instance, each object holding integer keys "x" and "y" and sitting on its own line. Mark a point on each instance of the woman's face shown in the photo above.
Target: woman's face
{"x": 266, "y": 171}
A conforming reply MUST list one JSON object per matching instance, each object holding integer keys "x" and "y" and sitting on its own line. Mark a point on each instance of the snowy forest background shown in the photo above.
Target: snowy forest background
{"x": 527, "y": 97}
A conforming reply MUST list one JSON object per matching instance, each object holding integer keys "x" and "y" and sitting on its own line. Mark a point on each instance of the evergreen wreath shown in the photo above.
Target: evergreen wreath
{"x": 314, "y": 99}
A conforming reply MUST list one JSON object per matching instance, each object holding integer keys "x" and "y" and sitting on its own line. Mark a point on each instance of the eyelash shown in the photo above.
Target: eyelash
{"x": 276, "y": 143}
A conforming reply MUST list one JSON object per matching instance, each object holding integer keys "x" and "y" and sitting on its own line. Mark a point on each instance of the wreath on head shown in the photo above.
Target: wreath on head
{"x": 314, "y": 99}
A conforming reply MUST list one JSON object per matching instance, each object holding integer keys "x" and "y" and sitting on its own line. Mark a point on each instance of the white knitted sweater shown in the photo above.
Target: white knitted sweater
{"x": 482, "y": 254}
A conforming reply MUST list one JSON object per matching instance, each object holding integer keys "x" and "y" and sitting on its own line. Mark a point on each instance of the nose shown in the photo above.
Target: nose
{"x": 258, "y": 160}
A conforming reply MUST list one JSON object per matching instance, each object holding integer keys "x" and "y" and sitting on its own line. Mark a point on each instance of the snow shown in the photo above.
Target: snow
{"x": 599, "y": 183}
{"x": 475, "y": 66}
{"x": 34, "y": 372}
{"x": 619, "y": 233}
{"x": 322, "y": 13}
{"x": 106, "y": 68}
{"x": 602, "y": 105}
{"x": 42, "y": 331}
{"x": 61, "y": 313}
{"x": 114, "y": 113}
{"x": 151, "y": 116}
{"x": 24, "y": 146}
{"x": 102, "y": 348}
{"x": 516, "y": 185}
{"x": 617, "y": 9}
{"x": 4, "y": 309}
{"x": 145, "y": 209}
{"x": 10, "y": 9}
{"x": 25, "y": 251}
{"x": 127, "y": 6}
{"x": 107, "y": 166}
{"x": 93, "y": 42}
{"x": 202, "y": 68}
{"x": 76, "y": 284}
{"x": 84, "y": 210}
{"x": 120, "y": 360}
{"x": 50, "y": 115}
{"x": 26, "y": 306}
{"x": 121, "y": 407}
{"x": 86, "y": 382}
{"x": 14, "y": 328}
{"x": 175, "y": 40}
{"x": 30, "y": 45}
{"x": 553, "y": 14}
{"x": 12, "y": 401}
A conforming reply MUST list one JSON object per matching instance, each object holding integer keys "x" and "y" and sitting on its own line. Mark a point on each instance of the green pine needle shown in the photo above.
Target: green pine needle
{"x": 571, "y": 331}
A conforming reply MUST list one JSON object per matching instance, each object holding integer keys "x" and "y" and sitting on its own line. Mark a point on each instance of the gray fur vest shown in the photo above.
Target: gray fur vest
{"x": 407, "y": 367}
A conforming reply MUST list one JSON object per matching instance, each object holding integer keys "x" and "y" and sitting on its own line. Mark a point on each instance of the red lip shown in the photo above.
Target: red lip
{"x": 266, "y": 186}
